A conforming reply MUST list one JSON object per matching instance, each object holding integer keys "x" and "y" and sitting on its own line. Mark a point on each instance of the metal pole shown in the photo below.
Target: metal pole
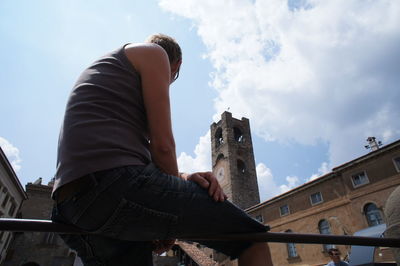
{"x": 304, "y": 238}
{"x": 25, "y": 225}
{"x": 32, "y": 225}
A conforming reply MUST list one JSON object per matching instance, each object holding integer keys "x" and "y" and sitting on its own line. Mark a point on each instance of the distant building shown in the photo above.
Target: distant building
{"x": 11, "y": 196}
{"x": 46, "y": 249}
{"x": 342, "y": 202}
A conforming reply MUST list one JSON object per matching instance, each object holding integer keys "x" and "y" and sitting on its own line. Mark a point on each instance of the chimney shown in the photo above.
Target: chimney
{"x": 373, "y": 144}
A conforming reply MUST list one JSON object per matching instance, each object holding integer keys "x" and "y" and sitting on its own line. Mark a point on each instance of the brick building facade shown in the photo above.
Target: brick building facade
{"x": 344, "y": 201}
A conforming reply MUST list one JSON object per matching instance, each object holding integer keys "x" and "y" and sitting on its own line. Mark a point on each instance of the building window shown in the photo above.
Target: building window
{"x": 220, "y": 156}
{"x": 324, "y": 229}
{"x": 373, "y": 214}
{"x": 396, "y": 162}
{"x": 292, "y": 252}
{"x": 12, "y": 208}
{"x": 5, "y": 201}
{"x": 316, "y": 198}
{"x": 241, "y": 166}
{"x": 4, "y": 193}
{"x": 218, "y": 137}
{"x": 284, "y": 210}
{"x": 260, "y": 218}
{"x": 7, "y": 241}
{"x": 291, "y": 248}
{"x": 359, "y": 179}
{"x": 238, "y": 135}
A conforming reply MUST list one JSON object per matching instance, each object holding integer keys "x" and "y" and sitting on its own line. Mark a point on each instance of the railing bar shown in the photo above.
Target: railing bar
{"x": 31, "y": 225}
{"x": 26, "y": 225}
{"x": 304, "y": 238}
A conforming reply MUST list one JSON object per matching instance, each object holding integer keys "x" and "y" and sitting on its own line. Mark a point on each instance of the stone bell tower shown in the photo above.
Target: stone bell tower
{"x": 233, "y": 160}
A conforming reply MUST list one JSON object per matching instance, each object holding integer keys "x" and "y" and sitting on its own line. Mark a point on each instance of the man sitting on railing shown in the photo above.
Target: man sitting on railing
{"x": 117, "y": 175}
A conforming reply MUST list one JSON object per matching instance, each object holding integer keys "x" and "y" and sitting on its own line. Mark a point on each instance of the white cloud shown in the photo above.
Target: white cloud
{"x": 322, "y": 170}
{"x": 202, "y": 159}
{"x": 12, "y": 154}
{"x": 266, "y": 183}
{"x": 325, "y": 70}
{"x": 268, "y": 186}
{"x": 292, "y": 182}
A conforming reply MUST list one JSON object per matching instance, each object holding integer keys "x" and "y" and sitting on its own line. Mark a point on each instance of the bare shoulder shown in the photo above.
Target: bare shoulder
{"x": 143, "y": 47}
{"x": 140, "y": 54}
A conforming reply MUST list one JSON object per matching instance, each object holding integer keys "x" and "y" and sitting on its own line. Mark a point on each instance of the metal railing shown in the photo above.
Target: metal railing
{"x": 30, "y": 225}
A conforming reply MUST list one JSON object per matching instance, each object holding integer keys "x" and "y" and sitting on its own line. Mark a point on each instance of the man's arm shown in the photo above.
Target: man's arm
{"x": 153, "y": 65}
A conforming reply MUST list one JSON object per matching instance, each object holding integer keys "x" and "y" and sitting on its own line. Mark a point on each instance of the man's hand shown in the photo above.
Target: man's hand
{"x": 208, "y": 181}
{"x": 160, "y": 246}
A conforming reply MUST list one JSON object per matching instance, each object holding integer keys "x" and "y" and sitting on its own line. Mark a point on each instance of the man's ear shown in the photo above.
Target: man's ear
{"x": 175, "y": 66}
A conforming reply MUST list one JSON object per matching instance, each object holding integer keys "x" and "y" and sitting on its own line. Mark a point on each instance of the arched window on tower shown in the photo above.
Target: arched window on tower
{"x": 218, "y": 137}
{"x": 291, "y": 248}
{"x": 373, "y": 214}
{"x": 238, "y": 135}
{"x": 324, "y": 229}
{"x": 241, "y": 167}
{"x": 219, "y": 157}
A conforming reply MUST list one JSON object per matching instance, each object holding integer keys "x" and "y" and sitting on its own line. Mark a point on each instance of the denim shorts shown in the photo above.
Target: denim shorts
{"x": 125, "y": 208}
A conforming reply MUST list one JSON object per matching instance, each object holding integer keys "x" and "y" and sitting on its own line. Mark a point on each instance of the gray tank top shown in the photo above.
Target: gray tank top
{"x": 105, "y": 122}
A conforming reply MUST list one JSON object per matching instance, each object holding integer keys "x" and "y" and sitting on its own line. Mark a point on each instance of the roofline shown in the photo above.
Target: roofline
{"x": 367, "y": 156}
{"x": 335, "y": 172}
{"x": 292, "y": 191}
{"x": 11, "y": 172}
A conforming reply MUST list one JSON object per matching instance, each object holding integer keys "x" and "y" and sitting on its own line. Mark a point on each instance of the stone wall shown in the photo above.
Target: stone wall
{"x": 46, "y": 249}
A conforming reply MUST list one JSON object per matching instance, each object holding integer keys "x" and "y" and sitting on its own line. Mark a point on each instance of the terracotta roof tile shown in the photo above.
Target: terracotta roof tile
{"x": 196, "y": 254}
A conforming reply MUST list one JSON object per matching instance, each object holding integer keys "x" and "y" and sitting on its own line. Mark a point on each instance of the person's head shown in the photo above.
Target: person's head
{"x": 334, "y": 253}
{"x": 173, "y": 51}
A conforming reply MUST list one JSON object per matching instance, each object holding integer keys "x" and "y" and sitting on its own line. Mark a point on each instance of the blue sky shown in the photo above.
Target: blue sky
{"x": 311, "y": 76}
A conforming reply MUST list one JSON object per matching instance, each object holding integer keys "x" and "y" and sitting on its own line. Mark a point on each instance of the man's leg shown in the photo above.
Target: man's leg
{"x": 145, "y": 204}
{"x": 97, "y": 250}
{"x": 257, "y": 254}
{"x": 199, "y": 215}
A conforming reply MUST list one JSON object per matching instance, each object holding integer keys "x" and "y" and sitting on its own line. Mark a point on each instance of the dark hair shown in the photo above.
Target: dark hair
{"x": 331, "y": 250}
{"x": 169, "y": 44}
